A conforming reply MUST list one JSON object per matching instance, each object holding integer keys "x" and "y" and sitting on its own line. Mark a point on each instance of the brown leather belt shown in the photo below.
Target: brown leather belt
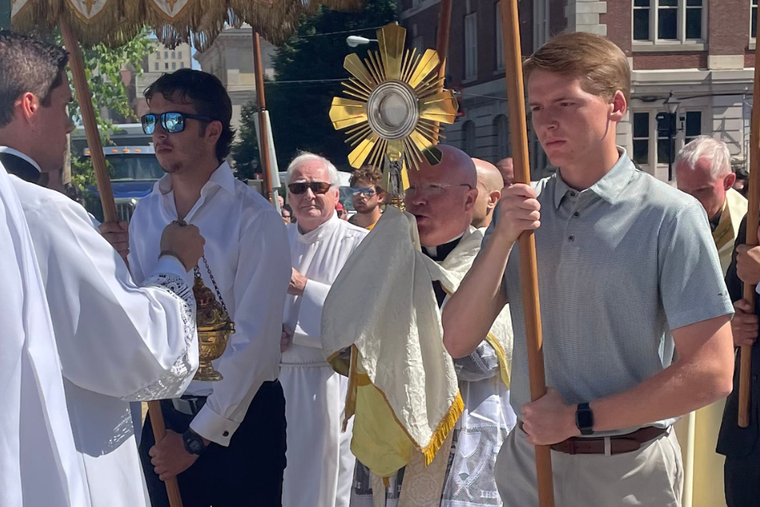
{"x": 618, "y": 444}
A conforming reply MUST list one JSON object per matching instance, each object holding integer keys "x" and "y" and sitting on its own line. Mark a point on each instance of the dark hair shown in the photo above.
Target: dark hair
{"x": 206, "y": 93}
{"x": 27, "y": 65}
{"x": 368, "y": 174}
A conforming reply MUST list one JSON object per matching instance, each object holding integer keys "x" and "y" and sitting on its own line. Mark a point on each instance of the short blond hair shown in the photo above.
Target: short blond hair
{"x": 599, "y": 62}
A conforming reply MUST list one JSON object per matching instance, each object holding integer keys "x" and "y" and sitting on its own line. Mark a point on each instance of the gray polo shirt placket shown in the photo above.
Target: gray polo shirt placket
{"x": 620, "y": 264}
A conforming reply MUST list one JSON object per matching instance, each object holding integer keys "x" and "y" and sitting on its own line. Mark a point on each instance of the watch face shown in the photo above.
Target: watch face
{"x": 193, "y": 443}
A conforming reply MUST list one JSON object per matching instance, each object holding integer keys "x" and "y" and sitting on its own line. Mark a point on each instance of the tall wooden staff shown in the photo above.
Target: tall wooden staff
{"x": 753, "y": 216}
{"x": 527, "y": 243}
{"x": 84, "y": 98}
{"x": 261, "y": 105}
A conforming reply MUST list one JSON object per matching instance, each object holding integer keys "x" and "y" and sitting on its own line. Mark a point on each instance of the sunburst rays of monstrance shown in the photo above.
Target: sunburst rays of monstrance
{"x": 397, "y": 103}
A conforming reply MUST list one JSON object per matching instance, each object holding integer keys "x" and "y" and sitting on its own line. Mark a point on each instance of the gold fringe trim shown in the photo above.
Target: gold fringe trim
{"x": 119, "y": 21}
{"x": 504, "y": 367}
{"x": 386, "y": 482}
{"x": 443, "y": 429}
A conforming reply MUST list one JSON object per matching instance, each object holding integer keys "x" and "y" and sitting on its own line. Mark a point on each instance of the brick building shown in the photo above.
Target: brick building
{"x": 701, "y": 51}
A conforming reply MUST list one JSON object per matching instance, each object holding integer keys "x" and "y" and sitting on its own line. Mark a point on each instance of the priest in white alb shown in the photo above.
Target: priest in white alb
{"x": 416, "y": 261}
{"x": 38, "y": 462}
{"x": 117, "y": 342}
{"x": 320, "y": 464}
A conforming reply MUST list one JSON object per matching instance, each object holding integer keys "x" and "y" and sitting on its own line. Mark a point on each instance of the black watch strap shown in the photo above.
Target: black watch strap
{"x": 584, "y": 419}
{"x": 193, "y": 442}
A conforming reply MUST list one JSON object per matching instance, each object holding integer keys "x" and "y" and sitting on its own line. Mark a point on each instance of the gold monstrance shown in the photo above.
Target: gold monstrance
{"x": 398, "y": 102}
{"x": 214, "y": 326}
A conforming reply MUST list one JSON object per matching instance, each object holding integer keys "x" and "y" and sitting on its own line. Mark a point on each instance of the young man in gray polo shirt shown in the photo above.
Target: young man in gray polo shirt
{"x": 634, "y": 310}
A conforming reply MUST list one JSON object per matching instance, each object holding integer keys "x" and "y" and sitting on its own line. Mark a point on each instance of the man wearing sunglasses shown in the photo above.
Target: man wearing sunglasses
{"x": 320, "y": 463}
{"x": 117, "y": 341}
{"x": 368, "y": 195}
{"x": 442, "y": 199}
{"x": 225, "y": 440}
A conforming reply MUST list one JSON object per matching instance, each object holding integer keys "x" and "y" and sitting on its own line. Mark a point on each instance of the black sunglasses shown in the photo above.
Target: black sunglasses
{"x": 172, "y": 122}
{"x": 318, "y": 187}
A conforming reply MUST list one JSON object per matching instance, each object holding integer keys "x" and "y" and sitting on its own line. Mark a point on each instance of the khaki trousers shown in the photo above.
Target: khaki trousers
{"x": 649, "y": 477}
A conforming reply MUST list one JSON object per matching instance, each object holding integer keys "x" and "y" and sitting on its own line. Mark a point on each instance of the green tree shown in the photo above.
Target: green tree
{"x": 308, "y": 69}
{"x": 245, "y": 152}
{"x": 103, "y": 70}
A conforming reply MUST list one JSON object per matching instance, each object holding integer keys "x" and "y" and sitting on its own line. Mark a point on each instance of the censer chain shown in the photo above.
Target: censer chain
{"x": 213, "y": 281}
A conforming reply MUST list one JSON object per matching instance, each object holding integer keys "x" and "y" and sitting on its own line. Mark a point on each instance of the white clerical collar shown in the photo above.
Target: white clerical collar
{"x": 5, "y": 149}
{"x": 433, "y": 250}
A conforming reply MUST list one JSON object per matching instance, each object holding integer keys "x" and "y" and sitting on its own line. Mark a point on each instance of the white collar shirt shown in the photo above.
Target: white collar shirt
{"x": 248, "y": 253}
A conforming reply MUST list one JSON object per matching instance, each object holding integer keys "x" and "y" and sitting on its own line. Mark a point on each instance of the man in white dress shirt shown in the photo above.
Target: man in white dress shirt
{"x": 117, "y": 342}
{"x": 225, "y": 440}
{"x": 320, "y": 463}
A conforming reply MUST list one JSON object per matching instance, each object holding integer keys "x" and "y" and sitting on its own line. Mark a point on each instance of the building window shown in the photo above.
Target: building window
{"x": 179, "y": 55}
{"x": 499, "y": 38}
{"x": 669, "y": 20}
{"x": 692, "y": 126}
{"x": 166, "y": 55}
{"x": 471, "y": 46}
{"x": 641, "y": 138}
{"x": 753, "y": 20}
{"x": 468, "y": 140}
{"x": 158, "y": 55}
{"x": 181, "y": 65}
{"x": 540, "y": 23}
{"x": 174, "y": 55}
{"x": 156, "y": 65}
{"x": 166, "y": 66}
{"x": 174, "y": 65}
{"x": 501, "y": 124}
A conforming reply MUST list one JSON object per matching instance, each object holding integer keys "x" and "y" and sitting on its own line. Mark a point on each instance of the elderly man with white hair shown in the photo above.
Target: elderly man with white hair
{"x": 320, "y": 463}
{"x": 703, "y": 170}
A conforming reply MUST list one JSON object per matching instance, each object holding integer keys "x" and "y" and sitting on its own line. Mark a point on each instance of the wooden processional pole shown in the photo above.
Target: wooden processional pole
{"x": 82, "y": 90}
{"x": 753, "y": 217}
{"x": 527, "y": 243}
{"x": 261, "y": 105}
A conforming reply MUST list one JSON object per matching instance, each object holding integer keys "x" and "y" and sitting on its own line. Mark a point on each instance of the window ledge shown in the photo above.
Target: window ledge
{"x": 751, "y": 45}
{"x": 469, "y": 80}
{"x": 498, "y": 72}
{"x": 667, "y": 47}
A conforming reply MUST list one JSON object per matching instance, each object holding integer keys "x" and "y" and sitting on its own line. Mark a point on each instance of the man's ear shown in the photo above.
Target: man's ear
{"x": 27, "y": 105}
{"x": 619, "y": 107}
{"x": 214, "y": 131}
{"x": 472, "y": 196}
{"x": 381, "y": 195}
{"x": 729, "y": 181}
{"x": 493, "y": 198}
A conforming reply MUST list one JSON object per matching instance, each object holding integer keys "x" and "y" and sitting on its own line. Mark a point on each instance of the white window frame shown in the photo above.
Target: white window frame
{"x": 680, "y": 43}
{"x": 499, "y": 39}
{"x": 753, "y": 6}
{"x": 471, "y": 47}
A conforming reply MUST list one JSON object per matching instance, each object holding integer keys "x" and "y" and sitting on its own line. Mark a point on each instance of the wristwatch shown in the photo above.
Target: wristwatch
{"x": 193, "y": 442}
{"x": 584, "y": 419}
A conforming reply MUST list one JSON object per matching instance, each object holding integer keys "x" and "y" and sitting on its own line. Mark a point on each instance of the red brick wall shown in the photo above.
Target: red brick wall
{"x": 619, "y": 23}
{"x": 749, "y": 60}
{"x": 728, "y": 26}
{"x": 653, "y": 61}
